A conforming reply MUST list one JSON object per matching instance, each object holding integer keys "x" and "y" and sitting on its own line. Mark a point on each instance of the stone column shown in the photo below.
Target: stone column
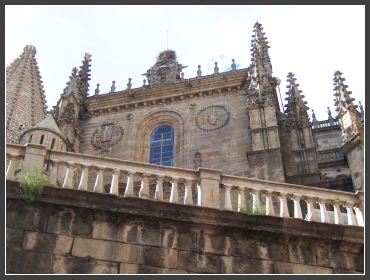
{"x": 338, "y": 219}
{"x": 311, "y": 215}
{"x": 115, "y": 180}
{"x": 323, "y": 213}
{"x": 227, "y": 205}
{"x": 68, "y": 180}
{"x": 269, "y": 204}
{"x": 174, "y": 198}
{"x": 297, "y": 206}
{"x": 359, "y": 210}
{"x": 84, "y": 177}
{"x": 256, "y": 200}
{"x": 159, "y": 187}
{"x": 208, "y": 196}
{"x": 283, "y": 205}
{"x": 129, "y": 192}
{"x": 54, "y": 172}
{"x": 144, "y": 188}
{"x": 98, "y": 187}
{"x": 11, "y": 167}
{"x": 188, "y": 199}
{"x": 351, "y": 217}
{"x": 241, "y": 199}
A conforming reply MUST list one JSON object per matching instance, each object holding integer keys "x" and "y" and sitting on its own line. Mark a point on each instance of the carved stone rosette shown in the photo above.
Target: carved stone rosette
{"x": 212, "y": 117}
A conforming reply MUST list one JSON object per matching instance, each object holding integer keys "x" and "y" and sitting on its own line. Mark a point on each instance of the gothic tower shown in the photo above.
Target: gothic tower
{"x": 69, "y": 111}
{"x": 25, "y": 98}
{"x": 299, "y": 151}
{"x": 352, "y": 134}
{"x": 265, "y": 159}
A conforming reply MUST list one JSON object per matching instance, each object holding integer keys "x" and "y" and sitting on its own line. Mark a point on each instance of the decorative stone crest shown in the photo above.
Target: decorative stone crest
{"x": 212, "y": 117}
{"x": 129, "y": 116}
{"x": 192, "y": 105}
{"x": 107, "y": 135}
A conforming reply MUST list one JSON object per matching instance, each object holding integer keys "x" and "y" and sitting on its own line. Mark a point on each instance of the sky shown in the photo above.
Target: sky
{"x": 312, "y": 42}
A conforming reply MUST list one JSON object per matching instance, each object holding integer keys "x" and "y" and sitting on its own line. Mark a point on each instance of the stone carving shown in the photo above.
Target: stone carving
{"x": 69, "y": 113}
{"x": 113, "y": 87}
{"x": 129, "y": 85}
{"x": 212, "y": 117}
{"x": 192, "y": 105}
{"x": 129, "y": 116}
{"x": 199, "y": 72}
{"x": 107, "y": 135}
{"x": 216, "y": 69}
{"x": 97, "y": 89}
{"x": 233, "y": 66}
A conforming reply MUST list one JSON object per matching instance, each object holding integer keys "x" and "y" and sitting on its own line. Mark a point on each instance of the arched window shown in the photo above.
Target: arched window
{"x": 42, "y": 139}
{"x": 161, "y": 146}
{"x": 52, "y": 144}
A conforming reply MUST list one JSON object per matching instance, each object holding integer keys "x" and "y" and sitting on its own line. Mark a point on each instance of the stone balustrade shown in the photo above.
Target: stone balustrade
{"x": 326, "y": 123}
{"x": 329, "y": 155}
{"x": 214, "y": 189}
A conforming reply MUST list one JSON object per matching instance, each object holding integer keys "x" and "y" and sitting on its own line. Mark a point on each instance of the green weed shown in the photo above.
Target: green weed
{"x": 32, "y": 184}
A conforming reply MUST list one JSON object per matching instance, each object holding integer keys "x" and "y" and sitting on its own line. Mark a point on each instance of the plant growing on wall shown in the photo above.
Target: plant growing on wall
{"x": 32, "y": 184}
{"x": 247, "y": 208}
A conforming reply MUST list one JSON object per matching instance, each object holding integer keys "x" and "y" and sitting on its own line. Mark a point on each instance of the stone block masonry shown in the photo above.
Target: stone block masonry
{"x": 140, "y": 236}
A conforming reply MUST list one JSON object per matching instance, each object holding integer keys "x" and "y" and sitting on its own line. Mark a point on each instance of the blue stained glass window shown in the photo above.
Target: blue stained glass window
{"x": 162, "y": 146}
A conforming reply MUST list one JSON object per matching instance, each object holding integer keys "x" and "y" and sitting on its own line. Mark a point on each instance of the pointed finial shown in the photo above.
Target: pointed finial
{"x": 199, "y": 72}
{"x": 113, "y": 87}
{"x": 330, "y": 118}
{"x": 144, "y": 82}
{"x": 182, "y": 75}
{"x": 216, "y": 69}
{"x": 97, "y": 90}
{"x": 314, "y": 120}
{"x": 129, "y": 85}
{"x": 233, "y": 65}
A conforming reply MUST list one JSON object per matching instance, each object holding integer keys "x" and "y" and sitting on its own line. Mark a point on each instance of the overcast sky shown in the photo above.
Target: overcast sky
{"x": 310, "y": 41}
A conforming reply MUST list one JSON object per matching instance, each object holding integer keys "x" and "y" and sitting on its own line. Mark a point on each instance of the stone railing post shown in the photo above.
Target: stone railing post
{"x": 11, "y": 168}
{"x": 129, "y": 192}
{"x": 209, "y": 190}
{"x": 297, "y": 207}
{"x": 323, "y": 212}
{"x": 359, "y": 210}
{"x": 159, "y": 187}
{"x": 115, "y": 179}
{"x": 144, "y": 188}
{"x": 84, "y": 177}
{"x": 351, "y": 217}
{"x": 269, "y": 204}
{"x": 188, "y": 199}
{"x": 34, "y": 158}
{"x": 174, "y": 198}
{"x": 54, "y": 172}
{"x": 68, "y": 180}
{"x": 256, "y": 200}
{"x": 241, "y": 199}
{"x": 227, "y": 205}
{"x": 283, "y": 205}
{"x": 311, "y": 215}
{"x": 338, "y": 219}
{"x": 98, "y": 187}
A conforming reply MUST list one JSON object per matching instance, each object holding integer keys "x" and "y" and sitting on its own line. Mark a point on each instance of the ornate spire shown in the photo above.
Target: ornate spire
{"x": 71, "y": 87}
{"x": 342, "y": 99}
{"x": 296, "y": 107}
{"x": 25, "y": 96}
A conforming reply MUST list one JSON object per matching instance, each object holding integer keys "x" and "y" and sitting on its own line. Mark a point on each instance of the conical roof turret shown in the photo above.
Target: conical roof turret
{"x": 25, "y": 96}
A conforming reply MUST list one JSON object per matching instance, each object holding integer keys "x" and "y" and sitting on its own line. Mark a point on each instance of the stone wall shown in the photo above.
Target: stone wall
{"x": 77, "y": 232}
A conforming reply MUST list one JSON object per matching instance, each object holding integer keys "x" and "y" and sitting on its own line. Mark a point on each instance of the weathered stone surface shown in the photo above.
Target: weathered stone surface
{"x": 161, "y": 257}
{"x": 278, "y": 252}
{"x": 126, "y": 268}
{"x": 301, "y": 250}
{"x": 194, "y": 262}
{"x": 291, "y": 268}
{"x": 249, "y": 248}
{"x": 179, "y": 239}
{"x": 47, "y": 243}
{"x": 213, "y": 244}
{"x": 329, "y": 258}
{"x": 18, "y": 261}
{"x": 357, "y": 261}
{"x": 88, "y": 265}
{"x": 232, "y": 265}
{"x": 14, "y": 238}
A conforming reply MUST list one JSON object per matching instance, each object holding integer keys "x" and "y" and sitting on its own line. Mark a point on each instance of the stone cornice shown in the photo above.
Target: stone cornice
{"x": 349, "y": 145}
{"x": 211, "y": 85}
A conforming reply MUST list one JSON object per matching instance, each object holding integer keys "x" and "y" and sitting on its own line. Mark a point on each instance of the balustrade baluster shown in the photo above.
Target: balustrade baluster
{"x": 256, "y": 200}
{"x": 188, "y": 199}
{"x": 129, "y": 192}
{"x": 269, "y": 204}
{"x": 323, "y": 212}
{"x": 227, "y": 202}
{"x": 241, "y": 199}
{"x": 174, "y": 192}
{"x": 68, "y": 180}
{"x": 11, "y": 166}
{"x": 159, "y": 187}
{"x": 84, "y": 177}
{"x": 283, "y": 205}
{"x": 297, "y": 206}
{"x": 98, "y": 187}
{"x": 338, "y": 219}
{"x": 351, "y": 217}
{"x": 115, "y": 179}
{"x": 311, "y": 215}
{"x": 54, "y": 172}
{"x": 144, "y": 188}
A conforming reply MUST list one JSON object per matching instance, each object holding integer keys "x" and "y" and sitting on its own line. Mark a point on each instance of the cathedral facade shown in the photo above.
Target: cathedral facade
{"x": 229, "y": 121}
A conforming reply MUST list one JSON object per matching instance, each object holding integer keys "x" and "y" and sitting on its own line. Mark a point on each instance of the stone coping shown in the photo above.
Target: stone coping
{"x": 208, "y": 217}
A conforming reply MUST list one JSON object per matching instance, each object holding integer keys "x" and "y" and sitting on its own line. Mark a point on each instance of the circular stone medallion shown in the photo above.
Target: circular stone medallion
{"x": 212, "y": 117}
